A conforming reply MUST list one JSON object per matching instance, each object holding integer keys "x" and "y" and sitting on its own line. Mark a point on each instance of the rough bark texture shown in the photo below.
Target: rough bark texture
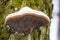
{"x": 9, "y": 6}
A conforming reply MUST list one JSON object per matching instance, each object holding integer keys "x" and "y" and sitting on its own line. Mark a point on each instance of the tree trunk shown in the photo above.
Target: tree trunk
{"x": 9, "y": 6}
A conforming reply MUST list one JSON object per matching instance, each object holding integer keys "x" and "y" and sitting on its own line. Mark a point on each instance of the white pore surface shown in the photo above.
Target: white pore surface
{"x": 54, "y": 21}
{"x": 27, "y": 10}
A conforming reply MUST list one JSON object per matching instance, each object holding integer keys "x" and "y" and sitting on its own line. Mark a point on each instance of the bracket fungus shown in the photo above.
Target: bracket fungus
{"x": 26, "y": 20}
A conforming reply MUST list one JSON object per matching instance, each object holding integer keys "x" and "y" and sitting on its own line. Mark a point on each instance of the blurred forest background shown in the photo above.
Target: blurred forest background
{"x": 10, "y": 6}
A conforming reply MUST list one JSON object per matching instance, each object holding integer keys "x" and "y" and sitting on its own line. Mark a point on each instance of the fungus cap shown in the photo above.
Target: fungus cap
{"x": 26, "y": 19}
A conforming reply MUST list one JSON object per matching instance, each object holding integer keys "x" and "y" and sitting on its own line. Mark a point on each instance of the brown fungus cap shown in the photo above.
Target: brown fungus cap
{"x": 26, "y": 20}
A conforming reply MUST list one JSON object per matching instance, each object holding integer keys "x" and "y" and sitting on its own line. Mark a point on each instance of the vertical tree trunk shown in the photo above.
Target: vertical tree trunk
{"x": 9, "y": 6}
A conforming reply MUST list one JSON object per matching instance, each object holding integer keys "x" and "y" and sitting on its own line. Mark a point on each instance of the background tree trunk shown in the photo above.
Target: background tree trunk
{"x": 9, "y": 6}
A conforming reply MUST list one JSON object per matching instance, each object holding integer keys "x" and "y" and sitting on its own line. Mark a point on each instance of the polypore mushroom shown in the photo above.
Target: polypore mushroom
{"x": 26, "y": 20}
